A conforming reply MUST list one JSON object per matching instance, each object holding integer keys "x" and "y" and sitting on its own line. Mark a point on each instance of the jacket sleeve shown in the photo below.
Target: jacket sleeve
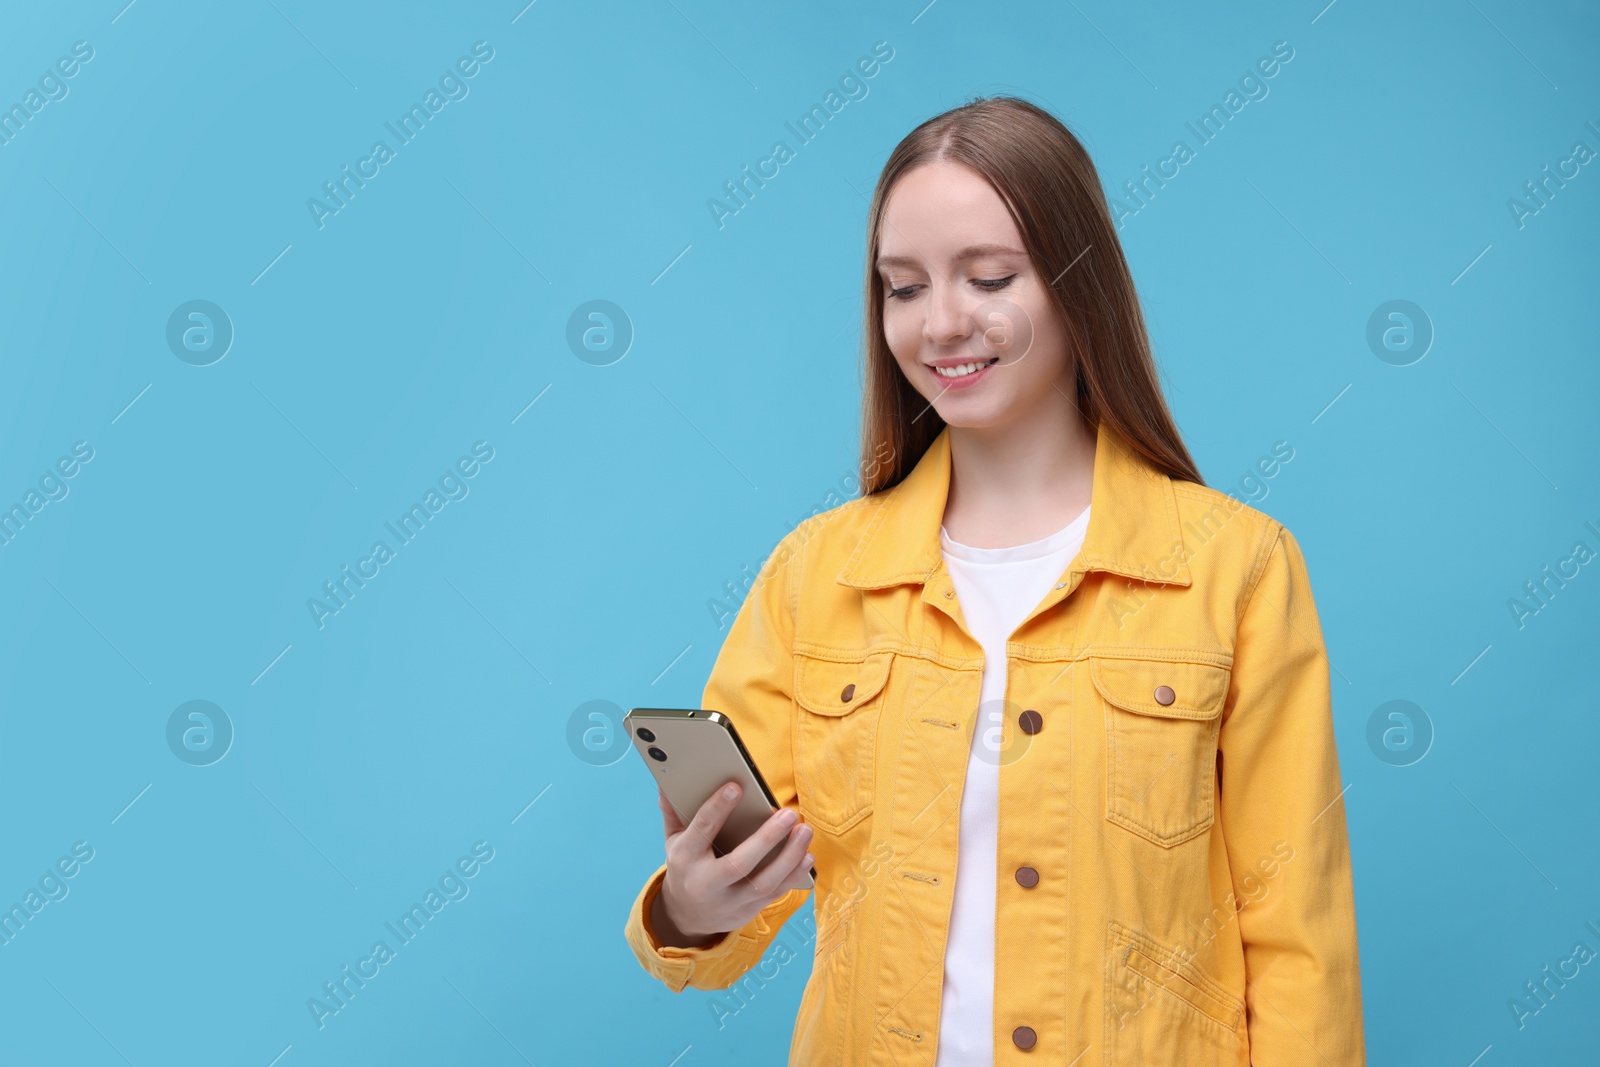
{"x": 1281, "y": 805}
{"x": 752, "y": 682}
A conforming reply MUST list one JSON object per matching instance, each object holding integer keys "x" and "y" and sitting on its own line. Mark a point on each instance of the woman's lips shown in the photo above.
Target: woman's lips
{"x": 964, "y": 381}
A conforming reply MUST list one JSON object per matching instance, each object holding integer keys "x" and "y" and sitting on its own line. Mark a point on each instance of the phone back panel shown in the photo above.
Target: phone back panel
{"x": 703, "y": 755}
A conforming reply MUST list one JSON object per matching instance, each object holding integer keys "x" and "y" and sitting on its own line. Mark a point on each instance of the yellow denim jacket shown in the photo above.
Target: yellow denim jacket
{"x": 1173, "y": 883}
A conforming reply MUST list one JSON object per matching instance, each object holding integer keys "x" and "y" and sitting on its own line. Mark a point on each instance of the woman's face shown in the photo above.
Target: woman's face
{"x": 966, "y": 315}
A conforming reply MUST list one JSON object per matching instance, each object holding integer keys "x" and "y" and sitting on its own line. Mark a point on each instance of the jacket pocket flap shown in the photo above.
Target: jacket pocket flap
{"x": 1223, "y": 1010}
{"x": 1168, "y": 689}
{"x": 838, "y": 687}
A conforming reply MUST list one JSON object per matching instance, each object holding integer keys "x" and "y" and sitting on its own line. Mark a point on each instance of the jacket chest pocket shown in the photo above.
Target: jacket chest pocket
{"x": 836, "y": 732}
{"x": 1162, "y": 718}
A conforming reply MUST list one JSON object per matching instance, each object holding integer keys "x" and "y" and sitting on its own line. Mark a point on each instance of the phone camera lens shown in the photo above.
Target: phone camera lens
{"x": 656, "y": 753}
{"x": 645, "y": 735}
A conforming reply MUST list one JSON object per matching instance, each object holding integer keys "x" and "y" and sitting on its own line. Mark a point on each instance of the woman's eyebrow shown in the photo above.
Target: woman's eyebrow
{"x": 970, "y": 252}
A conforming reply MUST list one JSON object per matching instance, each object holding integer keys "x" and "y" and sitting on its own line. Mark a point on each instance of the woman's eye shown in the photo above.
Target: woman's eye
{"x": 988, "y": 285}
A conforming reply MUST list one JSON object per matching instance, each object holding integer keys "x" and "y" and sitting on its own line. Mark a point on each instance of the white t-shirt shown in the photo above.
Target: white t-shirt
{"x": 997, "y": 588}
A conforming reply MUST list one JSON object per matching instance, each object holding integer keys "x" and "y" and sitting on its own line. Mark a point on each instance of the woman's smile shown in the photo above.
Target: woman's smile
{"x": 962, "y": 375}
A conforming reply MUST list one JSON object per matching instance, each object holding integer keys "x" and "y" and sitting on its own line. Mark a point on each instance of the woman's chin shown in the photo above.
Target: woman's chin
{"x": 972, "y": 413}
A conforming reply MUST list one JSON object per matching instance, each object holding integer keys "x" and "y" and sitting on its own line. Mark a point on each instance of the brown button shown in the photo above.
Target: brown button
{"x": 1027, "y": 877}
{"x": 850, "y": 691}
{"x": 1165, "y": 695}
{"x": 1030, "y": 721}
{"x": 1024, "y": 1037}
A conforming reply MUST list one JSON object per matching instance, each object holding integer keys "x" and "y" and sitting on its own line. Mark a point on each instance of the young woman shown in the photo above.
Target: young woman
{"x": 1051, "y": 717}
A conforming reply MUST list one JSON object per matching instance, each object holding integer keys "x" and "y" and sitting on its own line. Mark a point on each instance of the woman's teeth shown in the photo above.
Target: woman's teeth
{"x": 965, "y": 369}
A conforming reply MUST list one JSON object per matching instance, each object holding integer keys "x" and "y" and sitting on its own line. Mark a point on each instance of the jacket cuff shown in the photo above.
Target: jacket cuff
{"x": 671, "y": 964}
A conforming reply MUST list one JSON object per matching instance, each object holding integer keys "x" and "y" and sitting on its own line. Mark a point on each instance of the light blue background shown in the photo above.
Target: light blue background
{"x": 428, "y": 314}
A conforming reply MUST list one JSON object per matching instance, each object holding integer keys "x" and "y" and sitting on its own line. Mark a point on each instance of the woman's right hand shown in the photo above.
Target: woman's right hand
{"x": 706, "y": 895}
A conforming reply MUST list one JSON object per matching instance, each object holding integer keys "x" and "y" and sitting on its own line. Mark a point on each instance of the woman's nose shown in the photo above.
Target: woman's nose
{"x": 949, "y": 318}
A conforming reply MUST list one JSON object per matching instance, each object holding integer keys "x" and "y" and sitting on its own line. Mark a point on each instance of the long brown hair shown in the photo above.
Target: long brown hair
{"x": 1054, "y": 195}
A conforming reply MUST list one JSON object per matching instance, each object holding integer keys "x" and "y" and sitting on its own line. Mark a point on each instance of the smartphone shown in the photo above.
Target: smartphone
{"x": 692, "y": 754}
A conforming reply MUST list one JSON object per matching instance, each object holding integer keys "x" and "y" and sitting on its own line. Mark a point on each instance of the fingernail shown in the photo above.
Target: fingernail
{"x": 730, "y": 791}
{"x": 788, "y": 816}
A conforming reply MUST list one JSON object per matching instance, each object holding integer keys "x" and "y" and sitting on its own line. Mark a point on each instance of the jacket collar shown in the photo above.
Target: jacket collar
{"x": 1133, "y": 521}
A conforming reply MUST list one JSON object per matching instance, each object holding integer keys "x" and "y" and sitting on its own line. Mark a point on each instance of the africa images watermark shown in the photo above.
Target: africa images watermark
{"x": 52, "y": 89}
{"x": 786, "y": 946}
{"x": 723, "y": 611}
{"x": 52, "y": 487}
{"x": 1253, "y": 84}
{"x": 739, "y": 193}
{"x": 1541, "y": 993}
{"x": 1254, "y": 490}
{"x": 1255, "y": 890}
{"x": 452, "y": 886}
{"x": 52, "y": 887}
{"x": 452, "y": 486}
{"x": 1537, "y": 594}
{"x": 453, "y": 87}
{"x": 1539, "y": 191}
